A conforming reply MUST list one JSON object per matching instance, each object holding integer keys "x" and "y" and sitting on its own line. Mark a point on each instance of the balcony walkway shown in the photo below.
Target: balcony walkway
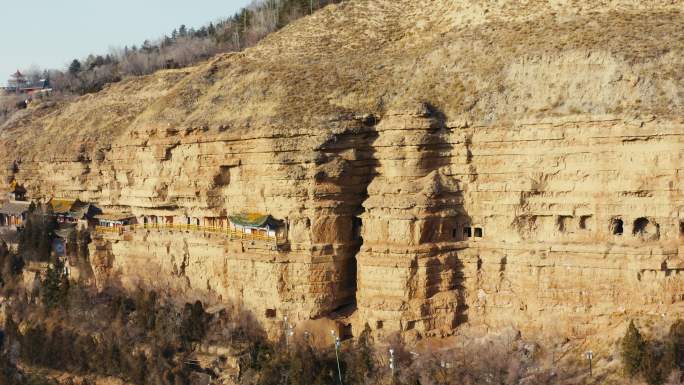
{"x": 230, "y": 234}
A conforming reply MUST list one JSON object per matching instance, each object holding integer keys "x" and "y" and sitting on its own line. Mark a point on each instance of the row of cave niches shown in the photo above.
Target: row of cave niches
{"x": 641, "y": 228}
{"x": 468, "y": 232}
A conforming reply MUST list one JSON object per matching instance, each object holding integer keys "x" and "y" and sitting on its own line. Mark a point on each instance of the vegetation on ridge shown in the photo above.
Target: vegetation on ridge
{"x": 184, "y": 46}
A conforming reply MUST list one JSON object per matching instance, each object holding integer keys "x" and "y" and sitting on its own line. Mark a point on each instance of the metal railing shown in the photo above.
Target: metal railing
{"x": 106, "y": 229}
{"x": 232, "y": 234}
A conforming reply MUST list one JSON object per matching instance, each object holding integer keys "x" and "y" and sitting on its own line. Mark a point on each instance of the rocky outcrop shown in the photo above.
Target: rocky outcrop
{"x": 438, "y": 165}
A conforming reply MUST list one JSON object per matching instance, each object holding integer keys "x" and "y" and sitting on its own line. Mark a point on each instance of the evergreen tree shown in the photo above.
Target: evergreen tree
{"x": 633, "y": 348}
{"x": 182, "y": 31}
{"x": 676, "y": 344}
{"x": 195, "y": 323}
{"x": 72, "y": 244}
{"x": 11, "y": 265}
{"x": 75, "y": 67}
{"x": 83, "y": 241}
{"x": 55, "y": 286}
{"x": 656, "y": 365}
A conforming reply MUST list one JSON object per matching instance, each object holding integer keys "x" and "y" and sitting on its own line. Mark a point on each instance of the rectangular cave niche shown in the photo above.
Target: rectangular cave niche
{"x": 270, "y": 313}
{"x": 346, "y": 332}
{"x": 467, "y": 232}
{"x": 378, "y": 325}
{"x": 478, "y": 232}
{"x": 585, "y": 222}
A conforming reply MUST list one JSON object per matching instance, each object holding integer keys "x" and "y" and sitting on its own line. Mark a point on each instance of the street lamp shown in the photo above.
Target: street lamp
{"x": 336, "y": 340}
{"x": 288, "y": 333}
{"x": 590, "y": 357}
{"x": 391, "y": 361}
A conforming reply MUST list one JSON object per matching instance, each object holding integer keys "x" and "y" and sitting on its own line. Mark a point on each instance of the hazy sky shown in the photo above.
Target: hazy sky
{"x": 51, "y": 33}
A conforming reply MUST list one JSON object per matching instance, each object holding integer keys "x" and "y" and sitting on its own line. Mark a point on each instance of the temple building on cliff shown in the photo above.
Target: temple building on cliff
{"x": 13, "y": 213}
{"x": 259, "y": 225}
{"x": 73, "y": 211}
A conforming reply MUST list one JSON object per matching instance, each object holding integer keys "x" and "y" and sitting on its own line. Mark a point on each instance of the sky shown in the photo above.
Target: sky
{"x": 51, "y": 33}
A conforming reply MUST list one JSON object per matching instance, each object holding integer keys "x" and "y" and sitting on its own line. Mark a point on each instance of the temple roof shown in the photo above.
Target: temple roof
{"x": 114, "y": 216}
{"x": 14, "y": 208}
{"x": 64, "y": 231}
{"x": 253, "y": 220}
{"x": 62, "y": 206}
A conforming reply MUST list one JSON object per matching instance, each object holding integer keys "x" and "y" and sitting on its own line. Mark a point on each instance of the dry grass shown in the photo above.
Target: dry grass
{"x": 507, "y": 61}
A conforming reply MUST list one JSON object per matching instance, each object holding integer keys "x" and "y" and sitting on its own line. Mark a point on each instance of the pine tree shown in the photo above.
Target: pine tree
{"x": 633, "y": 348}
{"x": 656, "y": 364}
{"x": 676, "y": 343}
{"x": 55, "y": 286}
{"x": 75, "y": 67}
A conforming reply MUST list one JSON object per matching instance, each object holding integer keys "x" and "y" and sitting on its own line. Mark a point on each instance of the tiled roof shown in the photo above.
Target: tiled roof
{"x": 114, "y": 216}
{"x": 253, "y": 220}
{"x": 62, "y": 206}
{"x": 14, "y": 208}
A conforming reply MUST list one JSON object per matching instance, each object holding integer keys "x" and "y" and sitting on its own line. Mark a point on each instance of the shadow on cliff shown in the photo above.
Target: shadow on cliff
{"x": 447, "y": 224}
{"x": 346, "y": 165}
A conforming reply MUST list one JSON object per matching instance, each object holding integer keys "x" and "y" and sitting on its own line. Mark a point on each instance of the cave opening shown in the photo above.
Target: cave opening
{"x": 563, "y": 222}
{"x": 478, "y": 232}
{"x": 681, "y": 228}
{"x": 640, "y": 226}
{"x": 616, "y": 226}
{"x": 585, "y": 222}
{"x": 346, "y": 332}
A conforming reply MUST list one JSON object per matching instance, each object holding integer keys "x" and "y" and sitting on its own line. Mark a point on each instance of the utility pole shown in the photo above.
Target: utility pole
{"x": 336, "y": 340}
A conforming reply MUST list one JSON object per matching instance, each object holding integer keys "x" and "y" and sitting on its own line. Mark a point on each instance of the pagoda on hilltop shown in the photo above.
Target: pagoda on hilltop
{"x": 17, "y": 81}
{"x": 20, "y": 84}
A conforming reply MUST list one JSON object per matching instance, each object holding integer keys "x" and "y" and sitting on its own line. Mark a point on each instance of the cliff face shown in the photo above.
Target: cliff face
{"x": 438, "y": 164}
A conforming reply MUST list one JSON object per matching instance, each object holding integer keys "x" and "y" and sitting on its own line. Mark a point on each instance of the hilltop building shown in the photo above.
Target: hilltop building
{"x": 20, "y": 84}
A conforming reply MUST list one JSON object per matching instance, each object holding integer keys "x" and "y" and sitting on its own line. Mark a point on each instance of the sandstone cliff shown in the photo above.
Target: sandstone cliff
{"x": 438, "y": 163}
